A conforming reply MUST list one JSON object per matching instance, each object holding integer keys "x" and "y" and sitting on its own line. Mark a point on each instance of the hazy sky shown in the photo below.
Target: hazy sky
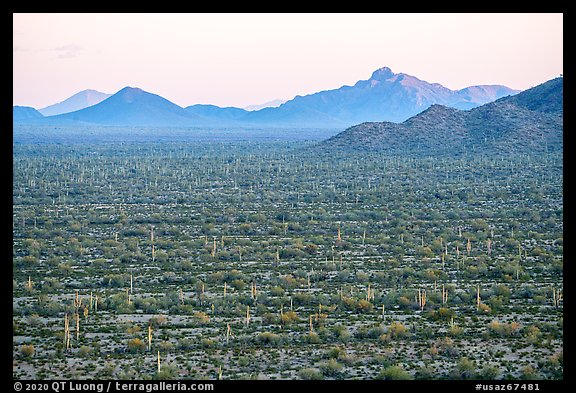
{"x": 243, "y": 59}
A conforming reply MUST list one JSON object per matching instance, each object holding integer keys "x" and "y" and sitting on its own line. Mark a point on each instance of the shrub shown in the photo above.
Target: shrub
{"x": 27, "y": 351}
{"x": 456, "y": 331}
{"x": 364, "y": 306}
{"x": 289, "y": 317}
{"x": 394, "y": 373}
{"x": 397, "y": 330}
{"x": 464, "y": 369}
{"x": 310, "y": 374}
{"x": 84, "y": 351}
{"x": 312, "y": 338}
{"x": 201, "y": 317}
{"x": 166, "y": 372}
{"x": 158, "y": 321}
{"x": 489, "y": 373}
{"x": 136, "y": 345}
{"x": 426, "y": 372}
{"x": 528, "y": 373}
{"x": 268, "y": 338}
{"x": 331, "y": 368}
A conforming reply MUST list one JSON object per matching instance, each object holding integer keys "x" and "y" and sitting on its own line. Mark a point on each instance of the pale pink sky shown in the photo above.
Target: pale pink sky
{"x": 243, "y": 59}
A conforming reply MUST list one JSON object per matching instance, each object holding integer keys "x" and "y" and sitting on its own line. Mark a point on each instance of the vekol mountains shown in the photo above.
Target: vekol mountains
{"x": 529, "y": 121}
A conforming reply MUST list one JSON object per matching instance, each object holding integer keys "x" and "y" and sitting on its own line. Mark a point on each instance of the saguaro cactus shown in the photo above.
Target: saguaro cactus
{"x": 149, "y": 337}
{"x": 214, "y": 248}
{"x": 77, "y": 316}
{"x": 66, "y": 329}
{"x": 228, "y": 332}
{"x": 202, "y": 295}
{"x": 158, "y": 361}
{"x": 478, "y": 300}
{"x": 556, "y": 297}
{"x": 422, "y": 298}
{"x": 253, "y": 291}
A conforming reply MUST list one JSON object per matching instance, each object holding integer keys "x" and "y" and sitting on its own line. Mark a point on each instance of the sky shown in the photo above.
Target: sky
{"x": 244, "y": 59}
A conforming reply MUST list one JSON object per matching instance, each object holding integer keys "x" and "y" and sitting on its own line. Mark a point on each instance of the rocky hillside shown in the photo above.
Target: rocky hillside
{"x": 529, "y": 121}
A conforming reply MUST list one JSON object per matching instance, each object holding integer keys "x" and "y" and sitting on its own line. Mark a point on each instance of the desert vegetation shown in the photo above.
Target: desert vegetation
{"x": 240, "y": 260}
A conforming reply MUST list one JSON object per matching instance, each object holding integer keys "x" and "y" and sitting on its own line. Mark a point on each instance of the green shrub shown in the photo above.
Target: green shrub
{"x": 27, "y": 351}
{"x": 136, "y": 345}
{"x": 394, "y": 373}
{"x": 331, "y": 368}
{"x": 310, "y": 374}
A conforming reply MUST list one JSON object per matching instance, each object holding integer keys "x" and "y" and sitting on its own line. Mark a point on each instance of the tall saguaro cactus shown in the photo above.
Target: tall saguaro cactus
{"x": 478, "y": 300}
{"x": 422, "y": 298}
{"x": 77, "y": 316}
{"x": 214, "y": 248}
{"x": 556, "y": 297}
{"x": 228, "y": 332}
{"x": 66, "y": 330}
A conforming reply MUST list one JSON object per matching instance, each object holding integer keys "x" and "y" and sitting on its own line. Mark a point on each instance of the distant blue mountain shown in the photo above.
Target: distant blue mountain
{"x": 216, "y": 113}
{"x": 132, "y": 107}
{"x": 20, "y": 113}
{"x": 386, "y": 96}
{"x": 78, "y": 101}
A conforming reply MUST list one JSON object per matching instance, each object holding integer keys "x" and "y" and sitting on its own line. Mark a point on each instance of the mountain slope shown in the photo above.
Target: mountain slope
{"x": 547, "y": 97}
{"x": 78, "y": 101}
{"x": 529, "y": 121}
{"x": 20, "y": 113}
{"x": 386, "y": 96}
{"x": 132, "y": 107}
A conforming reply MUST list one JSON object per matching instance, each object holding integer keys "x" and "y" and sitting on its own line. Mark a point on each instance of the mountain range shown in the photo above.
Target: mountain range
{"x": 385, "y": 96}
{"x": 529, "y": 121}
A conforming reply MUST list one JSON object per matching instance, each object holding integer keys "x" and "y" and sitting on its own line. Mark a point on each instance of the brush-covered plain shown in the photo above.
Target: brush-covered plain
{"x": 240, "y": 260}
